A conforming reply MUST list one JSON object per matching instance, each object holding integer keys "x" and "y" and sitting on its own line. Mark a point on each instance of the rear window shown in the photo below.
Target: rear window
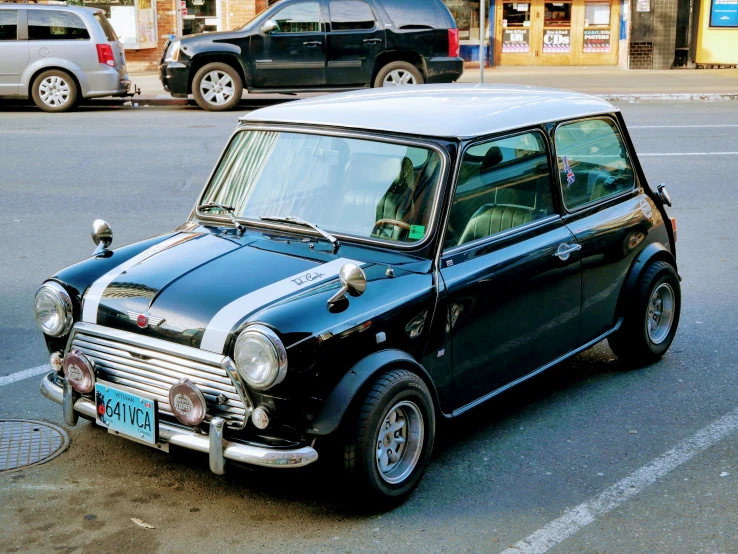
{"x": 417, "y": 14}
{"x": 8, "y": 24}
{"x": 55, "y": 25}
{"x": 106, "y": 27}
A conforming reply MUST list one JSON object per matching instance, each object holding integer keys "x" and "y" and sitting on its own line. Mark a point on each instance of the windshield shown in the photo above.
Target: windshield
{"x": 366, "y": 188}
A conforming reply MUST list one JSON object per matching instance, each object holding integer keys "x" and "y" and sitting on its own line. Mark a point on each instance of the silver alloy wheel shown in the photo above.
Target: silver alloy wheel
{"x": 660, "y": 315}
{"x": 400, "y": 442}
{"x": 54, "y": 91}
{"x": 217, "y": 88}
{"x": 399, "y": 77}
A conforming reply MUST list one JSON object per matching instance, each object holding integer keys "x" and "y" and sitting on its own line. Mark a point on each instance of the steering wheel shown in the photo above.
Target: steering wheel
{"x": 395, "y": 222}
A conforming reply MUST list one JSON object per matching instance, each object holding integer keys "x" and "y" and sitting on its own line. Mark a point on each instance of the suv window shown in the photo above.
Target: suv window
{"x": 299, "y": 18}
{"x": 592, "y": 161}
{"x": 415, "y": 14}
{"x": 55, "y": 25}
{"x": 106, "y": 27}
{"x": 503, "y": 184}
{"x": 350, "y": 15}
{"x": 8, "y": 25}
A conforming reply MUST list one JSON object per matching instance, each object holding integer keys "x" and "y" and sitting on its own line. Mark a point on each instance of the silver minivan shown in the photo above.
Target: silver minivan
{"x": 58, "y": 55}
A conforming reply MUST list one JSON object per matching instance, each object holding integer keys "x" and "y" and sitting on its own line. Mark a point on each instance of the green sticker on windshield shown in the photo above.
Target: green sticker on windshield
{"x": 416, "y": 232}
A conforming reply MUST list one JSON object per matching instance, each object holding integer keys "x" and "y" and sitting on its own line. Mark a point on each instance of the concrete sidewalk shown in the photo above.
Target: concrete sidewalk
{"x": 609, "y": 82}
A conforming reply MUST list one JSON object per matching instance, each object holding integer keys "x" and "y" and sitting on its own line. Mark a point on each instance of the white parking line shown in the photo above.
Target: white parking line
{"x": 689, "y": 154}
{"x": 25, "y": 374}
{"x": 572, "y": 521}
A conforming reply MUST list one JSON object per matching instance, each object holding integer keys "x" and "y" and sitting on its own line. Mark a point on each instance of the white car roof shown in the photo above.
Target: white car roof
{"x": 453, "y": 110}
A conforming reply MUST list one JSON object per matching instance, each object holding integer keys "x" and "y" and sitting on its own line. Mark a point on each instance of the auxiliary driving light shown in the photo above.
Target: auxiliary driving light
{"x": 55, "y": 361}
{"x": 188, "y": 403}
{"x": 79, "y": 371}
{"x": 260, "y": 417}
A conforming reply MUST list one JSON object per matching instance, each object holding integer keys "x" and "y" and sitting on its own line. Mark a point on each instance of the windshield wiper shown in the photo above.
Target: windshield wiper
{"x": 228, "y": 210}
{"x": 298, "y": 221}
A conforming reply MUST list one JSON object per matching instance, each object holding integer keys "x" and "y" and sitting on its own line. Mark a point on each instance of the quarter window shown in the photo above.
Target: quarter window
{"x": 502, "y": 184}
{"x": 299, "y": 18}
{"x": 8, "y": 25}
{"x": 55, "y": 25}
{"x": 351, "y": 15}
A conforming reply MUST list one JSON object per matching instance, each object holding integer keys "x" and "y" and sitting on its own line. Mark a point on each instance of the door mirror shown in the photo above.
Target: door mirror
{"x": 269, "y": 26}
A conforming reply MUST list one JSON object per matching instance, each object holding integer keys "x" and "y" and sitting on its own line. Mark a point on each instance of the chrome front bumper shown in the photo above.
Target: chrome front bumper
{"x": 218, "y": 449}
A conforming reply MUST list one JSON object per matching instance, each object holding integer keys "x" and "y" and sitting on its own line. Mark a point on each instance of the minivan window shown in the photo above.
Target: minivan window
{"x": 299, "y": 18}
{"x": 8, "y": 25}
{"x": 350, "y": 15}
{"x": 592, "y": 160}
{"x": 106, "y": 27}
{"x": 415, "y": 14}
{"x": 55, "y": 25}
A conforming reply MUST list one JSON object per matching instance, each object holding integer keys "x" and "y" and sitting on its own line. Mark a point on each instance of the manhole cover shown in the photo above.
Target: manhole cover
{"x": 24, "y": 443}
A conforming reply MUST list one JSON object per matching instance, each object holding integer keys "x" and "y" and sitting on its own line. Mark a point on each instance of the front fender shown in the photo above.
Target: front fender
{"x": 53, "y": 63}
{"x": 343, "y": 395}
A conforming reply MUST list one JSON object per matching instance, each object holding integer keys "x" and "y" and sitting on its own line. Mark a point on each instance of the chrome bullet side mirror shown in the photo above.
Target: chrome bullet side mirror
{"x": 353, "y": 282}
{"x": 102, "y": 236}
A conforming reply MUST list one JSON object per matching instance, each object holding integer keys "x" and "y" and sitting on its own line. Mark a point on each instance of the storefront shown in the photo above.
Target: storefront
{"x": 466, "y": 14}
{"x": 717, "y": 34}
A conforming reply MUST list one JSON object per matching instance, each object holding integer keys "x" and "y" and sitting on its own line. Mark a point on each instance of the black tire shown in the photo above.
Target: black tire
{"x": 400, "y": 67}
{"x": 632, "y": 343}
{"x": 205, "y": 73}
{"x": 360, "y": 446}
{"x": 54, "y": 91}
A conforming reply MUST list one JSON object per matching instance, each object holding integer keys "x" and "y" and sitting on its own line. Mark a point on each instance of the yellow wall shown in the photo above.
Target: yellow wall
{"x": 715, "y": 45}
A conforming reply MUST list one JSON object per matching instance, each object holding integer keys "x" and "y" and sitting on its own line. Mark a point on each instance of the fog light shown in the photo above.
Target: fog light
{"x": 79, "y": 371}
{"x": 260, "y": 417}
{"x": 188, "y": 403}
{"x": 55, "y": 361}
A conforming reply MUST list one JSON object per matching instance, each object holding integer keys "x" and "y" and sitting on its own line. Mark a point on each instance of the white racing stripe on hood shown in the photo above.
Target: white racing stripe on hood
{"x": 217, "y": 331}
{"x": 94, "y": 294}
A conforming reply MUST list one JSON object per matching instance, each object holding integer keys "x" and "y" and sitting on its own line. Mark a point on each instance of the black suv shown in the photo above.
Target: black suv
{"x": 317, "y": 45}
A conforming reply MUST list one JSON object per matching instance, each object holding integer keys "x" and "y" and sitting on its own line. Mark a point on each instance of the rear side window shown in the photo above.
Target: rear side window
{"x": 55, "y": 25}
{"x": 106, "y": 27}
{"x": 592, "y": 160}
{"x": 8, "y": 25}
{"x": 417, "y": 14}
{"x": 299, "y": 18}
{"x": 351, "y": 15}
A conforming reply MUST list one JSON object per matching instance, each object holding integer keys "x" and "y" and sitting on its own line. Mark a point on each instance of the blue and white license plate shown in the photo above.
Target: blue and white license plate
{"x": 130, "y": 414}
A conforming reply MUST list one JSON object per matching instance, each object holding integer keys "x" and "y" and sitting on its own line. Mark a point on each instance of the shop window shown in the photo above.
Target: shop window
{"x": 54, "y": 25}
{"x": 557, "y": 14}
{"x": 350, "y": 15}
{"x": 201, "y": 17}
{"x": 299, "y": 18}
{"x": 8, "y": 25}
{"x": 724, "y": 13}
{"x": 515, "y": 14}
{"x": 134, "y": 21}
{"x": 597, "y": 13}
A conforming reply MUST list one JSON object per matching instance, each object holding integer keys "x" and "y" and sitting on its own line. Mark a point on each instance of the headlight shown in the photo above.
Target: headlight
{"x": 260, "y": 357}
{"x": 172, "y": 54}
{"x": 53, "y": 309}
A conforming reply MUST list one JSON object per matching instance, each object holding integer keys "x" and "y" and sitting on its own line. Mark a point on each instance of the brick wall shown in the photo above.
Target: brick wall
{"x": 237, "y": 12}
{"x": 641, "y": 55}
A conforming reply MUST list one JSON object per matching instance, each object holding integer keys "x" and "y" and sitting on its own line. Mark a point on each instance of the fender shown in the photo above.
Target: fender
{"x": 340, "y": 399}
{"x": 52, "y": 63}
{"x": 651, "y": 253}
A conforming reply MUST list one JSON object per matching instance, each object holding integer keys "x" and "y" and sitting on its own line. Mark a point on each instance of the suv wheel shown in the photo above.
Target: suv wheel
{"x": 217, "y": 87}
{"x": 652, "y": 317}
{"x": 398, "y": 73}
{"x": 54, "y": 91}
{"x": 389, "y": 443}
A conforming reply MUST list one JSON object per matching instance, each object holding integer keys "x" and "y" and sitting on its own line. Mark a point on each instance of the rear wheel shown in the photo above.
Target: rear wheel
{"x": 398, "y": 73}
{"x": 217, "y": 87}
{"x": 54, "y": 91}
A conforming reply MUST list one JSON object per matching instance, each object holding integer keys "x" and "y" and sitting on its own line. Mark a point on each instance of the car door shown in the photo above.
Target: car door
{"x": 355, "y": 39}
{"x": 511, "y": 268}
{"x": 13, "y": 51}
{"x": 293, "y": 54}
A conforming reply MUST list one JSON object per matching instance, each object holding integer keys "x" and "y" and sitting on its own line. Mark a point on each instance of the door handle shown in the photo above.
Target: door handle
{"x": 372, "y": 40}
{"x": 312, "y": 43}
{"x": 564, "y": 251}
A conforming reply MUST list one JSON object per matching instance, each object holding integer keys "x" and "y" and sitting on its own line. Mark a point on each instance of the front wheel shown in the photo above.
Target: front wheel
{"x": 217, "y": 87}
{"x": 398, "y": 73}
{"x": 388, "y": 444}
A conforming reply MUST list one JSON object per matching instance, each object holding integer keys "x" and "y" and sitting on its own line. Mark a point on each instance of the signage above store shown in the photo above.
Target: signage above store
{"x": 724, "y": 13}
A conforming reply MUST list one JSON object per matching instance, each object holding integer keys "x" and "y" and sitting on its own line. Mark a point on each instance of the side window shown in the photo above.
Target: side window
{"x": 55, "y": 25}
{"x": 8, "y": 25}
{"x": 502, "y": 184}
{"x": 416, "y": 14}
{"x": 299, "y": 18}
{"x": 592, "y": 161}
{"x": 351, "y": 15}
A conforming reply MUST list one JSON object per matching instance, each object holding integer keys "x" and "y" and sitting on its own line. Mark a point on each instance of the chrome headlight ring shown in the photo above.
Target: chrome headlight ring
{"x": 260, "y": 357}
{"x": 57, "y": 300}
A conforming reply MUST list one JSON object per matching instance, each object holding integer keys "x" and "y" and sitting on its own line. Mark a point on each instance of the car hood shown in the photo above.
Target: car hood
{"x": 198, "y": 289}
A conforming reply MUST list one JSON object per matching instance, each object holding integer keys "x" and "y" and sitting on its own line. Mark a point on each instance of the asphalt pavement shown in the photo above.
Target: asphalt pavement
{"x": 588, "y": 457}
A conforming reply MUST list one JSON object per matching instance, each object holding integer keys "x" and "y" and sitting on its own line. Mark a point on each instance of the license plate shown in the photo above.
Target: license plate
{"x": 130, "y": 414}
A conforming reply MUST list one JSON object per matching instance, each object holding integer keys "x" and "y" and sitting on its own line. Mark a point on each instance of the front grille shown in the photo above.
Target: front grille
{"x": 152, "y": 366}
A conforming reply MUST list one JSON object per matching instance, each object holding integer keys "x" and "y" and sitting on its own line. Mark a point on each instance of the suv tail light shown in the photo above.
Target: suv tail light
{"x": 105, "y": 55}
{"x": 453, "y": 43}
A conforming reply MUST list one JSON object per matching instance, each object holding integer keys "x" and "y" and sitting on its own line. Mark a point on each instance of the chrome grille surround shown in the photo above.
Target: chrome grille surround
{"x": 152, "y": 366}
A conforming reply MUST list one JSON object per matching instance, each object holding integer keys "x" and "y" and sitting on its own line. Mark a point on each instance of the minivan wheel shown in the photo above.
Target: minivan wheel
{"x": 388, "y": 443}
{"x": 396, "y": 74}
{"x": 54, "y": 91}
{"x": 652, "y": 317}
{"x": 217, "y": 87}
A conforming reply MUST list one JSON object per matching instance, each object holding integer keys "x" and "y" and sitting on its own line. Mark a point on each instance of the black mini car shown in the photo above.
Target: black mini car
{"x": 317, "y": 45}
{"x": 361, "y": 265}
